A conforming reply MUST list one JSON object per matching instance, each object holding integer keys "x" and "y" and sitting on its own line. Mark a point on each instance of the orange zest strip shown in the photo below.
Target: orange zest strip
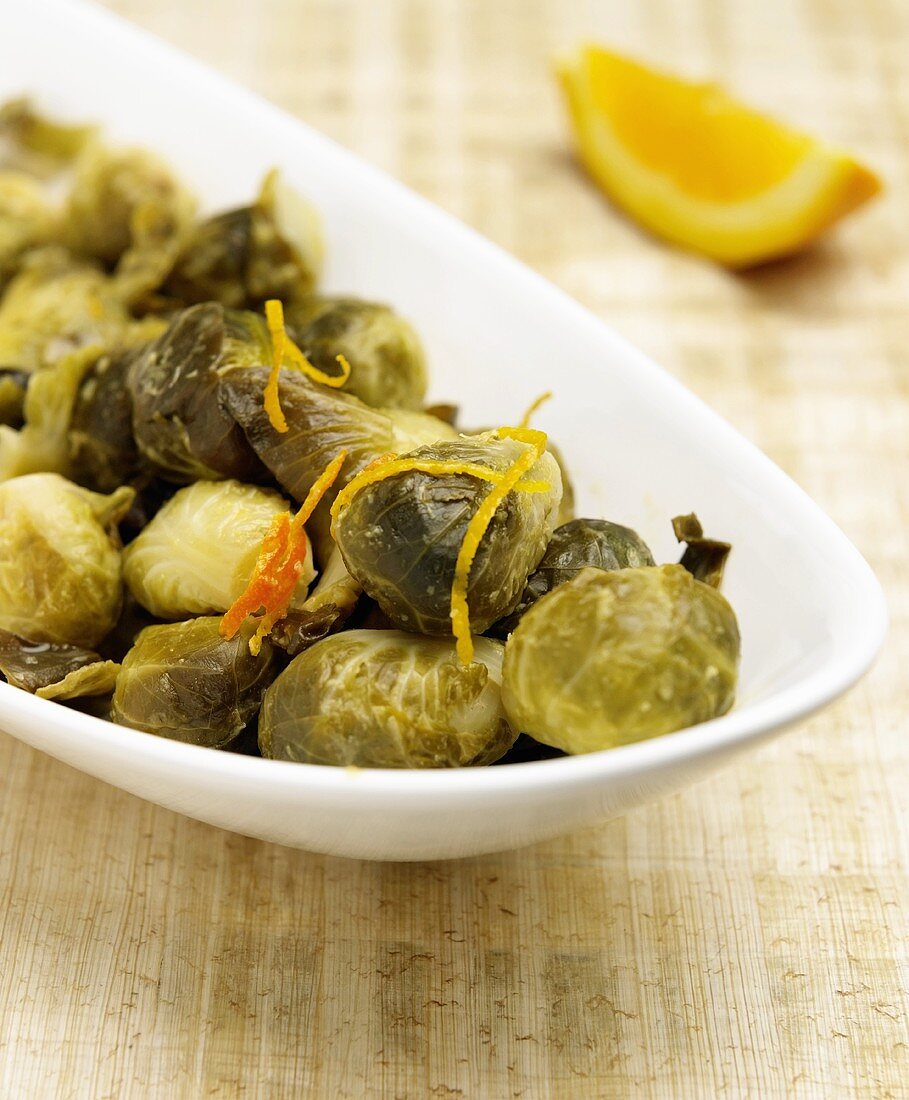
{"x": 278, "y": 567}
{"x": 388, "y": 465}
{"x": 285, "y": 351}
{"x": 476, "y": 529}
{"x": 532, "y": 408}
{"x": 274, "y": 317}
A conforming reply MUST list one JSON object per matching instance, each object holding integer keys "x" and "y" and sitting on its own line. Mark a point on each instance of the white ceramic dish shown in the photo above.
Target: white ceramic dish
{"x": 640, "y": 446}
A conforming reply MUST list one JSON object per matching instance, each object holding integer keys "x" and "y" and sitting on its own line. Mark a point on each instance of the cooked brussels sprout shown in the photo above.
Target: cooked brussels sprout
{"x": 178, "y": 421}
{"x": 184, "y": 681}
{"x": 59, "y": 561}
{"x": 385, "y": 699}
{"x": 42, "y": 145}
{"x": 197, "y": 554}
{"x": 615, "y": 657}
{"x": 272, "y": 249}
{"x": 326, "y": 609}
{"x": 126, "y": 209}
{"x": 400, "y": 537}
{"x": 26, "y": 220}
{"x": 388, "y": 367}
{"x": 53, "y": 306}
{"x": 705, "y": 559}
{"x": 321, "y": 422}
{"x": 575, "y": 546}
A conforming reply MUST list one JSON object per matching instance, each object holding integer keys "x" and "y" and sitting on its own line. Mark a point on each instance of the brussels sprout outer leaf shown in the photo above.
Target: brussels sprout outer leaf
{"x": 705, "y": 559}
{"x": 34, "y": 665}
{"x": 96, "y": 679}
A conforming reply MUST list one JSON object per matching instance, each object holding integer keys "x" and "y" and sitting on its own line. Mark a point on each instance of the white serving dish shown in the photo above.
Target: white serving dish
{"x": 640, "y": 446}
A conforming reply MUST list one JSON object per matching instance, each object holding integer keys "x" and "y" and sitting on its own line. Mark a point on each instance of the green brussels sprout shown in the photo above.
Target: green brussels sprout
{"x": 272, "y": 249}
{"x": 385, "y": 699}
{"x": 185, "y": 682}
{"x": 400, "y": 537}
{"x": 197, "y": 554}
{"x": 54, "y": 671}
{"x": 574, "y": 546}
{"x": 26, "y": 219}
{"x": 56, "y": 305}
{"x": 59, "y": 560}
{"x": 178, "y": 422}
{"x": 40, "y": 145}
{"x": 321, "y": 422}
{"x": 388, "y": 367}
{"x": 615, "y": 657}
{"x": 127, "y": 209}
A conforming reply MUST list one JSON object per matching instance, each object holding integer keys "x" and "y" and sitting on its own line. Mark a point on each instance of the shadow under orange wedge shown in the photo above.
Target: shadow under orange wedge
{"x": 700, "y": 169}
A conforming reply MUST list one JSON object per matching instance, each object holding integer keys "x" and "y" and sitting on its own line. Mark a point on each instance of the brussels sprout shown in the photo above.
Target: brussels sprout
{"x": 388, "y": 367}
{"x": 59, "y": 561}
{"x": 385, "y": 699}
{"x": 400, "y": 537}
{"x": 42, "y": 145}
{"x": 615, "y": 657}
{"x": 272, "y": 249}
{"x": 26, "y": 220}
{"x": 178, "y": 421}
{"x": 184, "y": 681}
{"x": 326, "y": 609}
{"x": 53, "y": 306}
{"x": 705, "y": 559}
{"x": 126, "y": 209}
{"x": 195, "y": 557}
{"x": 321, "y": 423}
{"x": 575, "y": 546}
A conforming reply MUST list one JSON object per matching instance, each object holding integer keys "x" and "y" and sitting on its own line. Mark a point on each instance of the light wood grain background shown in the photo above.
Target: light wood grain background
{"x": 745, "y": 938}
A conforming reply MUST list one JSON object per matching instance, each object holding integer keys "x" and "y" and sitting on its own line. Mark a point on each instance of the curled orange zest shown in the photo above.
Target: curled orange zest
{"x": 278, "y": 567}
{"x": 476, "y": 529}
{"x": 532, "y": 408}
{"x": 286, "y": 352}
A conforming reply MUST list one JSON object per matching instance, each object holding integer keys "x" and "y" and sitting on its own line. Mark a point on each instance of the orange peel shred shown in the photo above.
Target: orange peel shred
{"x": 278, "y": 567}
{"x": 476, "y": 529}
{"x": 286, "y": 353}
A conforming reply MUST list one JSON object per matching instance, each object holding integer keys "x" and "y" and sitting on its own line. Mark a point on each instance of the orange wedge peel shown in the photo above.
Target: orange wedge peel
{"x": 700, "y": 169}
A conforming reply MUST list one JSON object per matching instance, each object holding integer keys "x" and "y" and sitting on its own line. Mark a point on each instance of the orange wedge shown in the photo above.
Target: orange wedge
{"x": 695, "y": 166}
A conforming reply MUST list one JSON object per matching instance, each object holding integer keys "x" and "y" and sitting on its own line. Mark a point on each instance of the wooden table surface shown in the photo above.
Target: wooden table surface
{"x": 747, "y": 937}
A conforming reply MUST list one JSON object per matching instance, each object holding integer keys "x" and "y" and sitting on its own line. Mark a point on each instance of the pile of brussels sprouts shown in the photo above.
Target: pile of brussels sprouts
{"x": 440, "y": 599}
